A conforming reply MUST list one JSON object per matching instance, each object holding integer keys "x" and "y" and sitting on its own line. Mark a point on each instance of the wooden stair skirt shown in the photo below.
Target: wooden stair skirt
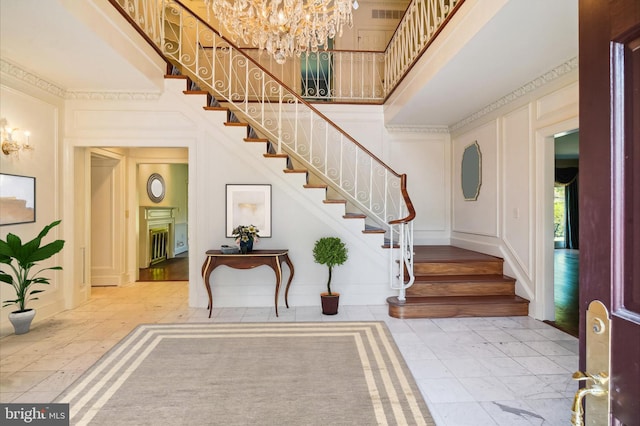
{"x": 454, "y": 282}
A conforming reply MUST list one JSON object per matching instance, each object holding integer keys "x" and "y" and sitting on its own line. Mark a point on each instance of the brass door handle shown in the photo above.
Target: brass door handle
{"x": 599, "y": 387}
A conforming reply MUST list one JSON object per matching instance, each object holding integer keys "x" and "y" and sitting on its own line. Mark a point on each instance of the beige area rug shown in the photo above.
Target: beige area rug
{"x": 343, "y": 373}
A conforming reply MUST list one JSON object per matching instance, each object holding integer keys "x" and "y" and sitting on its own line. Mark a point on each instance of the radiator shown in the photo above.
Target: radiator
{"x": 158, "y": 239}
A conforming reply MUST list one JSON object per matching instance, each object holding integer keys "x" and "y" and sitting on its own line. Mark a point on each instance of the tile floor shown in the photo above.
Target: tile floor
{"x": 471, "y": 371}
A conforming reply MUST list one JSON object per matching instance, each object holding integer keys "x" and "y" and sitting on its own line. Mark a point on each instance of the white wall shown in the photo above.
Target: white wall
{"x": 24, "y": 108}
{"x": 513, "y": 216}
{"x": 422, "y": 156}
{"x": 218, "y": 156}
{"x": 362, "y": 18}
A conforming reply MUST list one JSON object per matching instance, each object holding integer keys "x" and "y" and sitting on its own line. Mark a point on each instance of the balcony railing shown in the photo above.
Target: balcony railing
{"x": 280, "y": 114}
{"x": 419, "y": 26}
{"x": 330, "y": 75}
{"x": 364, "y": 76}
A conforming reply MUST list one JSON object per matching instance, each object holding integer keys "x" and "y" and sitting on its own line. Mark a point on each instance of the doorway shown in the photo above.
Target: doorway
{"x": 163, "y": 242}
{"x": 107, "y": 218}
{"x": 566, "y": 244}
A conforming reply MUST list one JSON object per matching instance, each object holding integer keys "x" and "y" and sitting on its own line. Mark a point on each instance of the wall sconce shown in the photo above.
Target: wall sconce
{"x": 14, "y": 139}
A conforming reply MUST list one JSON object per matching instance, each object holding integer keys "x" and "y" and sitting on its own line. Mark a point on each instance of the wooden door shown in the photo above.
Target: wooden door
{"x": 610, "y": 188}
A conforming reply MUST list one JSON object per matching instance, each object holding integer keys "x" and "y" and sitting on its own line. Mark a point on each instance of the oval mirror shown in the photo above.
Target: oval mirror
{"x": 155, "y": 188}
{"x": 471, "y": 172}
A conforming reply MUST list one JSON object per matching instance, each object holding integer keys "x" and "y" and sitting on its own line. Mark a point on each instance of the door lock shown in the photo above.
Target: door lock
{"x": 597, "y": 385}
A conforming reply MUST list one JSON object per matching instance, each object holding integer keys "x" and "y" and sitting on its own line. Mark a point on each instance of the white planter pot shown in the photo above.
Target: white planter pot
{"x": 22, "y": 320}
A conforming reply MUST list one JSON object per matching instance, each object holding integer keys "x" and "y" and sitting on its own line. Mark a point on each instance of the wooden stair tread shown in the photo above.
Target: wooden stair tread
{"x": 457, "y": 268}
{"x": 275, "y": 155}
{"x": 463, "y": 278}
{"x": 295, "y": 170}
{"x": 315, "y": 186}
{"x": 373, "y": 231}
{"x": 195, "y": 92}
{"x": 257, "y": 140}
{"x": 235, "y": 124}
{"x": 458, "y": 307}
{"x": 354, "y": 216}
{"x": 215, "y": 108}
{"x": 452, "y": 282}
{"x": 446, "y": 254}
{"x": 334, "y": 201}
{"x": 459, "y": 300}
{"x": 460, "y": 288}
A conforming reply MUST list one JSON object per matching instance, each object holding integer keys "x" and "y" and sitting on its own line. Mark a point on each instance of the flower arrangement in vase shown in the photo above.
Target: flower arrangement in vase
{"x": 245, "y": 237}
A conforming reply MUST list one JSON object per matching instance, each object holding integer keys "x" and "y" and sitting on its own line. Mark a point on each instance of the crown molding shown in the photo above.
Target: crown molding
{"x": 554, "y": 74}
{"x": 34, "y": 80}
{"x": 112, "y": 96}
{"x": 31, "y": 79}
{"x": 417, "y": 129}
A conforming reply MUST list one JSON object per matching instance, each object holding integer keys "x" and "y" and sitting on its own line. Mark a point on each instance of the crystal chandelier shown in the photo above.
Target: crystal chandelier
{"x": 284, "y": 27}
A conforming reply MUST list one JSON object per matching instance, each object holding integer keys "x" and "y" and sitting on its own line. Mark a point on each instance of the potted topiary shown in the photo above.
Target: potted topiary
{"x": 330, "y": 251}
{"x": 16, "y": 274}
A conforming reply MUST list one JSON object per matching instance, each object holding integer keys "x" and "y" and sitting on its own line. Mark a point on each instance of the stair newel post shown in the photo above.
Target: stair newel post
{"x": 401, "y": 263}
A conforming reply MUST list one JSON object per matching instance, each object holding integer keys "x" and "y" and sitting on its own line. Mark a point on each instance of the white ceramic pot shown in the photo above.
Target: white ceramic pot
{"x": 22, "y": 320}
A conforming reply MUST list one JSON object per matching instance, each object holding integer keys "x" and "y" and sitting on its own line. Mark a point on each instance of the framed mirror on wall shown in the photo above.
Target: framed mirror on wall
{"x": 471, "y": 172}
{"x": 156, "y": 187}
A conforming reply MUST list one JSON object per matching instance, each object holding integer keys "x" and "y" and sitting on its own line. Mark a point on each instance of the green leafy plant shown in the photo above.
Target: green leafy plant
{"x": 16, "y": 261}
{"x": 330, "y": 251}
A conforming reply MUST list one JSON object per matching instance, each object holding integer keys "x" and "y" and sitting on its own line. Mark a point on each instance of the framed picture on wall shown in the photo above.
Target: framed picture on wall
{"x": 17, "y": 199}
{"x": 248, "y": 205}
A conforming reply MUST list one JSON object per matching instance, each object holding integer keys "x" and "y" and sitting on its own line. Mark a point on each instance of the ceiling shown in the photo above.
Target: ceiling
{"x": 521, "y": 42}
{"x": 46, "y": 38}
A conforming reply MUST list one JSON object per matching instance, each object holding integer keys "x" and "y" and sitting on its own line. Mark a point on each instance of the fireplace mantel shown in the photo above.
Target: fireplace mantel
{"x": 154, "y": 219}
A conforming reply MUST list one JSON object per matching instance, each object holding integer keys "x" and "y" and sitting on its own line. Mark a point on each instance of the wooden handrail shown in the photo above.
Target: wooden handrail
{"x": 412, "y": 212}
{"x": 144, "y": 35}
{"x": 299, "y": 98}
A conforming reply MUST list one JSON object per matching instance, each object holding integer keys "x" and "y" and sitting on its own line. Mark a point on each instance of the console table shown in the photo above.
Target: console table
{"x": 271, "y": 258}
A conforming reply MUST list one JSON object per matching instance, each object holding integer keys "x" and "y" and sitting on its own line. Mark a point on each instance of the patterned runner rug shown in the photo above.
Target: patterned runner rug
{"x": 343, "y": 373}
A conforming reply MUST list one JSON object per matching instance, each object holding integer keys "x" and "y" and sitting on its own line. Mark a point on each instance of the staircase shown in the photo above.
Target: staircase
{"x": 454, "y": 282}
{"x": 292, "y": 167}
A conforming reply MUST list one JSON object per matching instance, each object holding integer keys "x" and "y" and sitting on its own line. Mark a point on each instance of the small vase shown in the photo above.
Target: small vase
{"x": 246, "y": 246}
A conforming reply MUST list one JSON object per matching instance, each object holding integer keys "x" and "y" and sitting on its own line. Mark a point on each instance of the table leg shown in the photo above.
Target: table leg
{"x": 207, "y": 268}
{"x": 291, "y": 272}
{"x": 277, "y": 269}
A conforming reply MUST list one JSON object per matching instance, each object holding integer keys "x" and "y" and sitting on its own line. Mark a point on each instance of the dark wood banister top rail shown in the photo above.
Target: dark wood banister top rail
{"x": 404, "y": 192}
